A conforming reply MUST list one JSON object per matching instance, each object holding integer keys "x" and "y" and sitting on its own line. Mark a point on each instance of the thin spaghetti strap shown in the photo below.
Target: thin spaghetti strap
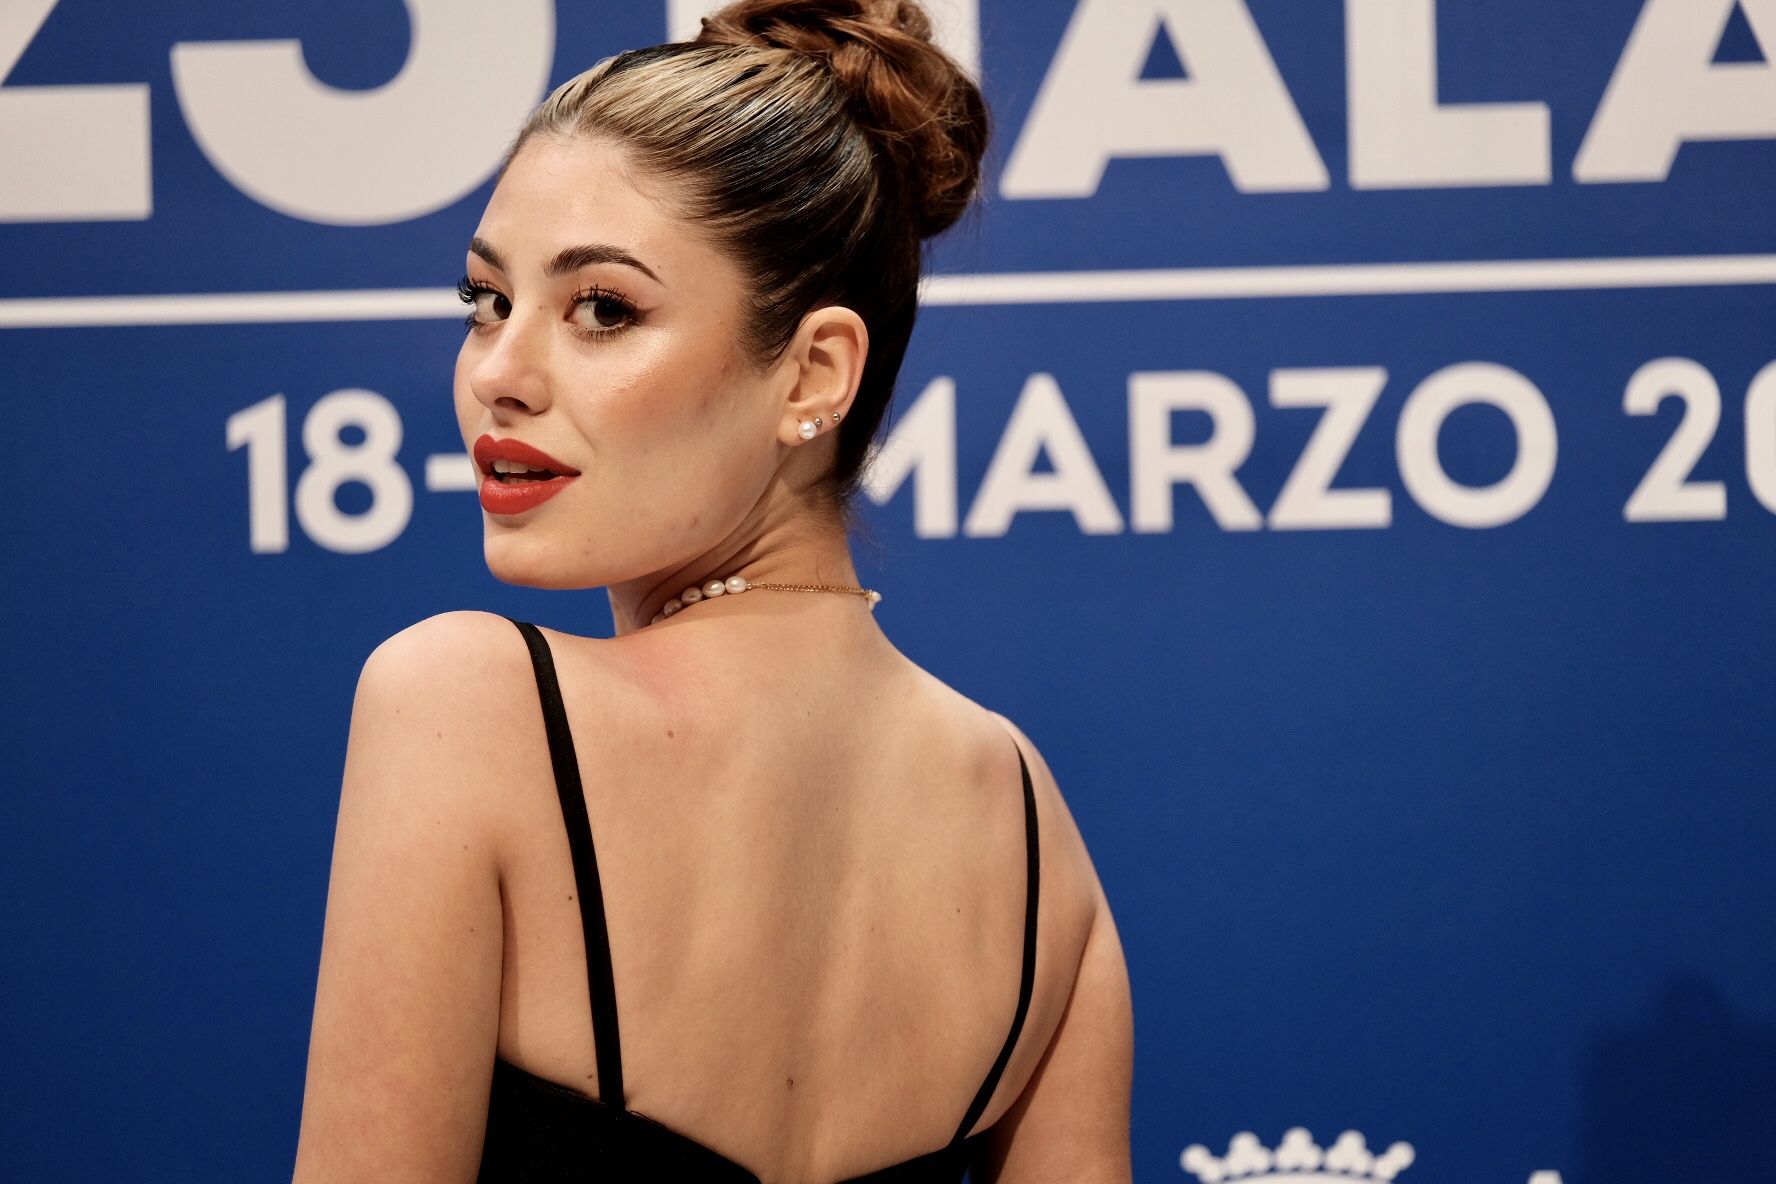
{"x": 600, "y": 984}
{"x": 1032, "y": 879}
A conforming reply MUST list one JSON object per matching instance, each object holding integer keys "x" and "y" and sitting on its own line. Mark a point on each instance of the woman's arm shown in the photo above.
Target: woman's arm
{"x": 1071, "y": 1123}
{"x": 406, "y": 1014}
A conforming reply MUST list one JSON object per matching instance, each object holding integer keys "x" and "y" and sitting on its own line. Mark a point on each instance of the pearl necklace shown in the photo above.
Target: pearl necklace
{"x": 734, "y": 585}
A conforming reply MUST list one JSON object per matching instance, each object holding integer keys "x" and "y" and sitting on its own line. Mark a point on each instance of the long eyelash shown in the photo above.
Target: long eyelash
{"x": 466, "y": 290}
{"x": 596, "y": 293}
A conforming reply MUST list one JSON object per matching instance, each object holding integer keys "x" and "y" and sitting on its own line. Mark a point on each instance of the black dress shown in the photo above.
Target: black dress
{"x": 542, "y": 1132}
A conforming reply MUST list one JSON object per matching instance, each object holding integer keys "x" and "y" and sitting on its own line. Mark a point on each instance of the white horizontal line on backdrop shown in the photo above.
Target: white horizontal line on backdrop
{"x": 1045, "y": 287}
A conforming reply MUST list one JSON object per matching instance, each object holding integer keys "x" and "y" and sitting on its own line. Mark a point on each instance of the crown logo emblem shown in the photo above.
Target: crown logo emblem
{"x": 1297, "y": 1160}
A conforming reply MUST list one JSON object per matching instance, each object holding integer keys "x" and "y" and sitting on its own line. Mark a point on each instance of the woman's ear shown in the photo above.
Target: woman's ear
{"x": 828, "y": 355}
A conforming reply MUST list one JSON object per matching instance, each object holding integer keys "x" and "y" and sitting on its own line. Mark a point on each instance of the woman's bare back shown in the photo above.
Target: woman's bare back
{"x": 813, "y": 867}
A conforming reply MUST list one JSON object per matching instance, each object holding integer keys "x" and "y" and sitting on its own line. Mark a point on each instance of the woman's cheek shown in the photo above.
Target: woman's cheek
{"x": 654, "y": 397}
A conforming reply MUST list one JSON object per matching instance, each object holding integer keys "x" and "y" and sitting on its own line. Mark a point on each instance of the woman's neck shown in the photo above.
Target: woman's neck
{"x": 805, "y": 548}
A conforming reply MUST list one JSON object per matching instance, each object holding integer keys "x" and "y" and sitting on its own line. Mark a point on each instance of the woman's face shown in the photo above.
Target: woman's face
{"x": 607, "y": 337}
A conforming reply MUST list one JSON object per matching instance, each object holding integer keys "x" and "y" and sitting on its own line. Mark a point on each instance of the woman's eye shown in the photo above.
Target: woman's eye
{"x": 602, "y": 312}
{"x": 491, "y": 306}
{"x": 485, "y": 303}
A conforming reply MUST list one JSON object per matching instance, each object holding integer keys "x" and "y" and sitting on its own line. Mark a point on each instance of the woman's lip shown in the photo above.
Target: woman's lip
{"x": 518, "y": 497}
{"x": 489, "y": 449}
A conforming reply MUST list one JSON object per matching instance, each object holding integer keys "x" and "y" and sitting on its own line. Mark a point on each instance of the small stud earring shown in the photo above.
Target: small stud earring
{"x": 816, "y": 421}
{"x": 807, "y": 429}
{"x": 835, "y": 417}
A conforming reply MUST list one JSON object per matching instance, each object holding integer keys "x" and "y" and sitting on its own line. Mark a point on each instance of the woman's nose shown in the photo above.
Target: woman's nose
{"x": 510, "y": 372}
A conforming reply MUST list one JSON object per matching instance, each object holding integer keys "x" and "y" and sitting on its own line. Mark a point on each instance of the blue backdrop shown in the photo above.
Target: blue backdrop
{"x": 1342, "y": 439}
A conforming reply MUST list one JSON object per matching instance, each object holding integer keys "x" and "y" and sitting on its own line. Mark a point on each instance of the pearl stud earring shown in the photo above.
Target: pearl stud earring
{"x": 807, "y": 429}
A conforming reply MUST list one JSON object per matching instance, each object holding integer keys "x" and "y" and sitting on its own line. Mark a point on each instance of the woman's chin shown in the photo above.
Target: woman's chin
{"x": 526, "y": 565}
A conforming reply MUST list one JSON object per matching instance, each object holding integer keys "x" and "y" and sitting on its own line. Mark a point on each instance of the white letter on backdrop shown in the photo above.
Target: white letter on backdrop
{"x": 1400, "y": 137}
{"x": 1307, "y": 500}
{"x": 1421, "y": 469}
{"x": 1094, "y": 105}
{"x": 1760, "y": 436}
{"x": 1156, "y": 464}
{"x": 1666, "y": 493}
{"x": 73, "y": 153}
{"x": 923, "y": 443}
{"x": 1041, "y": 420}
{"x": 955, "y": 23}
{"x": 361, "y": 158}
{"x": 1667, "y": 89}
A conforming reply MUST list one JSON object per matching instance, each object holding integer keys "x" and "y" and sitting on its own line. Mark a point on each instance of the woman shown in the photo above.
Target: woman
{"x": 836, "y": 922}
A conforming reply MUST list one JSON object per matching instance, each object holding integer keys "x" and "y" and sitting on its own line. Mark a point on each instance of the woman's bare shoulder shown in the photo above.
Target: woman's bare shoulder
{"x": 465, "y": 662}
{"x": 1080, "y": 990}
{"x": 1066, "y": 860}
{"x": 1067, "y": 870}
{"x": 1071, "y": 1113}
{"x": 449, "y": 694}
{"x": 438, "y": 644}
{"x": 1071, "y": 896}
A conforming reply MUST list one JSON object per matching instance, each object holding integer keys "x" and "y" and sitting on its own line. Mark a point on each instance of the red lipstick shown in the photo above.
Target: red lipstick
{"x": 517, "y": 493}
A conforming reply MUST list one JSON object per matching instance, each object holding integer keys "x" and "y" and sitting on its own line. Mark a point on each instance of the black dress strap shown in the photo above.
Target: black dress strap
{"x": 600, "y": 984}
{"x": 1032, "y": 878}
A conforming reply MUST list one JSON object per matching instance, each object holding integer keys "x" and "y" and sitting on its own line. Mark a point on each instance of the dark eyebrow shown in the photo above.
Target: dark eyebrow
{"x": 483, "y": 248}
{"x": 570, "y": 259}
{"x": 573, "y": 258}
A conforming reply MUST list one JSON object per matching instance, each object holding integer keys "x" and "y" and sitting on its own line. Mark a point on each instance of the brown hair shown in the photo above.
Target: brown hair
{"x": 819, "y": 142}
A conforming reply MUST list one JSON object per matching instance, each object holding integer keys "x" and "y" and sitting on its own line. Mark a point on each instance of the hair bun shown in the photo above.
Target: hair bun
{"x": 921, "y": 106}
